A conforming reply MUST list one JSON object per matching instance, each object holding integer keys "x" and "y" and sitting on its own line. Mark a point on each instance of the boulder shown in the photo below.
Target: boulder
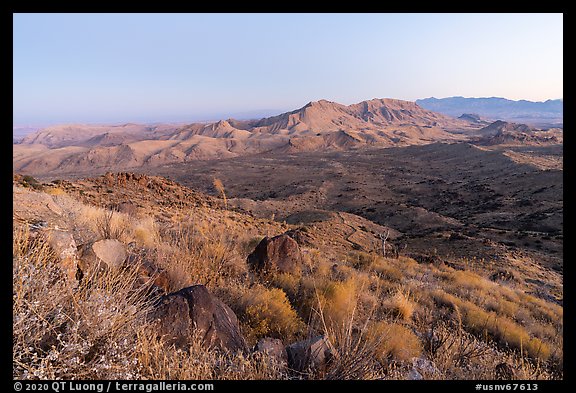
{"x": 102, "y": 254}
{"x": 193, "y": 312}
{"x": 315, "y": 353}
{"x": 273, "y": 347}
{"x": 280, "y": 253}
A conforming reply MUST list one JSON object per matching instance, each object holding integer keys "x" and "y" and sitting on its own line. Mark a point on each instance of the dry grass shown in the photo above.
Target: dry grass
{"x": 64, "y": 333}
{"x": 195, "y": 254}
{"x": 157, "y": 362}
{"x": 394, "y": 341}
{"x": 377, "y": 312}
{"x": 400, "y": 305}
{"x": 338, "y": 300}
{"x": 267, "y": 312}
{"x": 502, "y": 329}
{"x": 219, "y": 186}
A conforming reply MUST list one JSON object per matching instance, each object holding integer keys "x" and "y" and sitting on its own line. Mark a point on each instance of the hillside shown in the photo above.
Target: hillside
{"x": 132, "y": 276}
{"x": 318, "y": 126}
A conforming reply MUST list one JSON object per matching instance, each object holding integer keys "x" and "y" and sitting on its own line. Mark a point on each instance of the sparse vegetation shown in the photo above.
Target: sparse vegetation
{"x": 379, "y": 314}
{"x": 219, "y": 186}
{"x": 268, "y": 313}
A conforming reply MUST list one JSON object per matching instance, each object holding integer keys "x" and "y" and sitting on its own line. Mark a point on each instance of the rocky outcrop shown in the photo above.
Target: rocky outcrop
{"x": 194, "y": 313}
{"x": 315, "y": 353}
{"x": 280, "y": 253}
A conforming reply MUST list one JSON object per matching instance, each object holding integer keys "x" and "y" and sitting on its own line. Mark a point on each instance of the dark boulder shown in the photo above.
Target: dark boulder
{"x": 194, "y": 312}
{"x": 313, "y": 353}
{"x": 280, "y": 253}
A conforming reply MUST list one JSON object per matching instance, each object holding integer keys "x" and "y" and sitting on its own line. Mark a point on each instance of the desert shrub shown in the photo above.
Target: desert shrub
{"x": 108, "y": 227}
{"x": 387, "y": 271}
{"x": 466, "y": 280}
{"x": 338, "y": 300}
{"x": 341, "y": 272}
{"x": 503, "y": 307}
{"x": 29, "y": 181}
{"x": 267, "y": 312}
{"x": 145, "y": 232}
{"x": 199, "y": 255}
{"x": 542, "y": 309}
{"x": 54, "y": 191}
{"x": 360, "y": 260}
{"x": 394, "y": 341}
{"x": 289, "y": 283}
{"x": 500, "y": 328}
{"x": 400, "y": 305}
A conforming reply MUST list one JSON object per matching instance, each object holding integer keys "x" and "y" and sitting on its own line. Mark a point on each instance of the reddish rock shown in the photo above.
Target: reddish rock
{"x": 154, "y": 276}
{"x": 280, "y": 253}
{"x": 194, "y": 312}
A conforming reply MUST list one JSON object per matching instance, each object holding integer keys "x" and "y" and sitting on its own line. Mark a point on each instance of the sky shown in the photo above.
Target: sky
{"x": 109, "y": 68}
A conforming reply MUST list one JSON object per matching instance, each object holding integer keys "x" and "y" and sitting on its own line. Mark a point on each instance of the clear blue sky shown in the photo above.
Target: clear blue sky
{"x": 178, "y": 67}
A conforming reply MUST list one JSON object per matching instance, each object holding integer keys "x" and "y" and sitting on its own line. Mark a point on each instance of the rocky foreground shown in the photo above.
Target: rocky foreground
{"x": 174, "y": 285}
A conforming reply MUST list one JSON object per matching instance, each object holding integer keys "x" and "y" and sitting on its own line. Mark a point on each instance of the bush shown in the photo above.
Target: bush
{"x": 394, "y": 341}
{"x": 267, "y": 312}
{"x": 400, "y": 305}
{"x": 338, "y": 301}
{"x": 360, "y": 260}
{"x": 29, "y": 181}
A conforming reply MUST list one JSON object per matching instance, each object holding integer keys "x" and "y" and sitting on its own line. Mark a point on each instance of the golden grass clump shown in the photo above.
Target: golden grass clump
{"x": 361, "y": 260}
{"x": 394, "y": 341}
{"x": 387, "y": 270}
{"x": 401, "y": 305}
{"x": 146, "y": 233}
{"x": 501, "y": 328}
{"x": 467, "y": 280}
{"x": 267, "y": 312}
{"x": 338, "y": 300}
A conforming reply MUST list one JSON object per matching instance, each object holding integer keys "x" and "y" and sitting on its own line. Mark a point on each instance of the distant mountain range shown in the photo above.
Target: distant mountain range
{"x": 540, "y": 113}
{"x": 317, "y": 126}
